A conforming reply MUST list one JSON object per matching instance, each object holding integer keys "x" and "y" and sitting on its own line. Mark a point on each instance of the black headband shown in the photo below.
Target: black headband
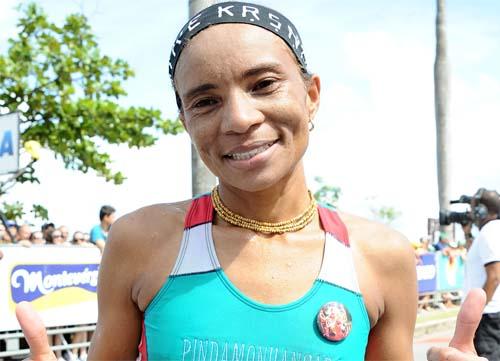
{"x": 238, "y": 12}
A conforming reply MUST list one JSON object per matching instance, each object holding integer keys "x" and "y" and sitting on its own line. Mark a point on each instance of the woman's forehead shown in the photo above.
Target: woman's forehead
{"x": 231, "y": 47}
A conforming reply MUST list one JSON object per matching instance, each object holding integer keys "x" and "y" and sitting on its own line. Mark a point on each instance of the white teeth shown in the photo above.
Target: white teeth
{"x": 250, "y": 154}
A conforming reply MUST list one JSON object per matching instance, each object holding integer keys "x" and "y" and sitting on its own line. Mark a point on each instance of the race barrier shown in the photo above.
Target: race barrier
{"x": 59, "y": 281}
{"x": 439, "y": 272}
{"x": 61, "y": 284}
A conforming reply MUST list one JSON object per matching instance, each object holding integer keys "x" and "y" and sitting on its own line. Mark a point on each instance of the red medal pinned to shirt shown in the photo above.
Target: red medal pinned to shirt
{"x": 334, "y": 321}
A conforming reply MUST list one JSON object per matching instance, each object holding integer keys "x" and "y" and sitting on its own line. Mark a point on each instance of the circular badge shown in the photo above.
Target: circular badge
{"x": 334, "y": 321}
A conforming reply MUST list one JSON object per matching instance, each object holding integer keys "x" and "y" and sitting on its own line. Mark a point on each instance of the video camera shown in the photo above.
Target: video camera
{"x": 447, "y": 217}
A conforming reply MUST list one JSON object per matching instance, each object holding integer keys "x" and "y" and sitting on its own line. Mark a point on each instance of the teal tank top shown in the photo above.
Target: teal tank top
{"x": 199, "y": 315}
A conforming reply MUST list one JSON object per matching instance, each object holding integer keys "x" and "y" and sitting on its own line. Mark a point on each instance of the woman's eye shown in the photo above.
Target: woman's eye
{"x": 204, "y": 103}
{"x": 266, "y": 83}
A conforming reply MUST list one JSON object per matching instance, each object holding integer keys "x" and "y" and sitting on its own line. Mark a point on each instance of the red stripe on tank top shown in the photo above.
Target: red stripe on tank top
{"x": 200, "y": 212}
{"x": 332, "y": 223}
{"x": 143, "y": 349}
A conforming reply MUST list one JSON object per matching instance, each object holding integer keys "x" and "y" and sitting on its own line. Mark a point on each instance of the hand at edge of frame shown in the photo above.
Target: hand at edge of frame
{"x": 461, "y": 347}
{"x": 34, "y": 332}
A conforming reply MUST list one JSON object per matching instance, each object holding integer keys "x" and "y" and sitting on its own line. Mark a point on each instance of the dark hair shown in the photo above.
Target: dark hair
{"x": 47, "y": 226}
{"x": 106, "y": 211}
{"x": 491, "y": 199}
{"x": 49, "y": 239}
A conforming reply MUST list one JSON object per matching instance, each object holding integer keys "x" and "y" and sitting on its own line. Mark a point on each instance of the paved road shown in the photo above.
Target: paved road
{"x": 422, "y": 344}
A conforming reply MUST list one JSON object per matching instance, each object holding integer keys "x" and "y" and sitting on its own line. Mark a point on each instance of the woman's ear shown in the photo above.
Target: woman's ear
{"x": 313, "y": 95}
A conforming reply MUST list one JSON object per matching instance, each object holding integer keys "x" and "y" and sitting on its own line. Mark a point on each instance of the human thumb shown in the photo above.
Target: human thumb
{"x": 34, "y": 332}
{"x": 468, "y": 319}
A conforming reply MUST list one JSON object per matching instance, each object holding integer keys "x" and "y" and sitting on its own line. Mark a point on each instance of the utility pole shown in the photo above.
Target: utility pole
{"x": 202, "y": 180}
{"x": 441, "y": 98}
{"x": 195, "y": 6}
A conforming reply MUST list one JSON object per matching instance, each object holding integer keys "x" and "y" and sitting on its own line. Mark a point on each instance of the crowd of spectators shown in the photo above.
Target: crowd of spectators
{"x": 26, "y": 236}
{"x": 444, "y": 244}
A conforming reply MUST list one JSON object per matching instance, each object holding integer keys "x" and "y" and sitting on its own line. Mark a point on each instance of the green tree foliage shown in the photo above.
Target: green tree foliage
{"x": 385, "y": 214}
{"x": 67, "y": 93}
{"x": 40, "y": 212}
{"x": 13, "y": 211}
{"x": 326, "y": 194}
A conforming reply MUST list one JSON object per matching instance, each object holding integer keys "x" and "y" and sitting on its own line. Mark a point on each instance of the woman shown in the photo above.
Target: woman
{"x": 55, "y": 237}
{"x": 37, "y": 238}
{"x": 79, "y": 240}
{"x": 255, "y": 270}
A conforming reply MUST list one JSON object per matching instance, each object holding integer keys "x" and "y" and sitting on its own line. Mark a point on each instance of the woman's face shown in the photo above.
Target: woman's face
{"x": 245, "y": 104}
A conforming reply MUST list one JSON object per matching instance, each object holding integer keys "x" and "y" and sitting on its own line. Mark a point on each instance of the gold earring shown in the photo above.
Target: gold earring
{"x": 311, "y": 125}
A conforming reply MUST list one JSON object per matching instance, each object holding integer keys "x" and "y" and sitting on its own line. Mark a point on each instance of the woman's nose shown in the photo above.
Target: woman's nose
{"x": 240, "y": 113}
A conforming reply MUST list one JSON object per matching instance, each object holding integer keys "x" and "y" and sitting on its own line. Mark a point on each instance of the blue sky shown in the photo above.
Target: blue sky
{"x": 374, "y": 134}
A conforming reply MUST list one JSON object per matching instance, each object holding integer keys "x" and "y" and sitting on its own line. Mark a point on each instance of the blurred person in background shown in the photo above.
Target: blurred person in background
{"x": 482, "y": 269}
{"x": 423, "y": 246}
{"x": 55, "y": 237}
{"x": 79, "y": 239}
{"x": 13, "y": 228}
{"x": 443, "y": 245}
{"x": 99, "y": 233}
{"x": 64, "y": 232}
{"x": 24, "y": 233}
{"x": 37, "y": 238}
{"x": 47, "y": 228}
{"x": 78, "y": 337}
{"x": 2, "y": 234}
{"x": 6, "y": 237}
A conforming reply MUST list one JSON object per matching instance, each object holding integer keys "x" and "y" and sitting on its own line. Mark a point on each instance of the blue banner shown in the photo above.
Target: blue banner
{"x": 30, "y": 282}
{"x": 450, "y": 270}
{"x": 427, "y": 273}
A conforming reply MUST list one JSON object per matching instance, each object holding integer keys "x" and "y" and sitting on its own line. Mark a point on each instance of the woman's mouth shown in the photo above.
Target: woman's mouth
{"x": 251, "y": 153}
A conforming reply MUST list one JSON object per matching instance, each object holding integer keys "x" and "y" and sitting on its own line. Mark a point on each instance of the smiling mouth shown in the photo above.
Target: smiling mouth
{"x": 250, "y": 154}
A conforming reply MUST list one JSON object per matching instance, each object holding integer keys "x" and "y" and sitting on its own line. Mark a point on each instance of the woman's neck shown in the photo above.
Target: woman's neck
{"x": 280, "y": 202}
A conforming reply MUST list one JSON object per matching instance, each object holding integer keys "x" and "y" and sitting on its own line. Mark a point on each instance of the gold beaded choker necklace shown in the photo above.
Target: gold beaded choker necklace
{"x": 291, "y": 225}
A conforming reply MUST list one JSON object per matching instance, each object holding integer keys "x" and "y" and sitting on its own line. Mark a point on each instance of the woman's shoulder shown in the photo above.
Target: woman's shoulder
{"x": 375, "y": 240}
{"x": 150, "y": 224}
